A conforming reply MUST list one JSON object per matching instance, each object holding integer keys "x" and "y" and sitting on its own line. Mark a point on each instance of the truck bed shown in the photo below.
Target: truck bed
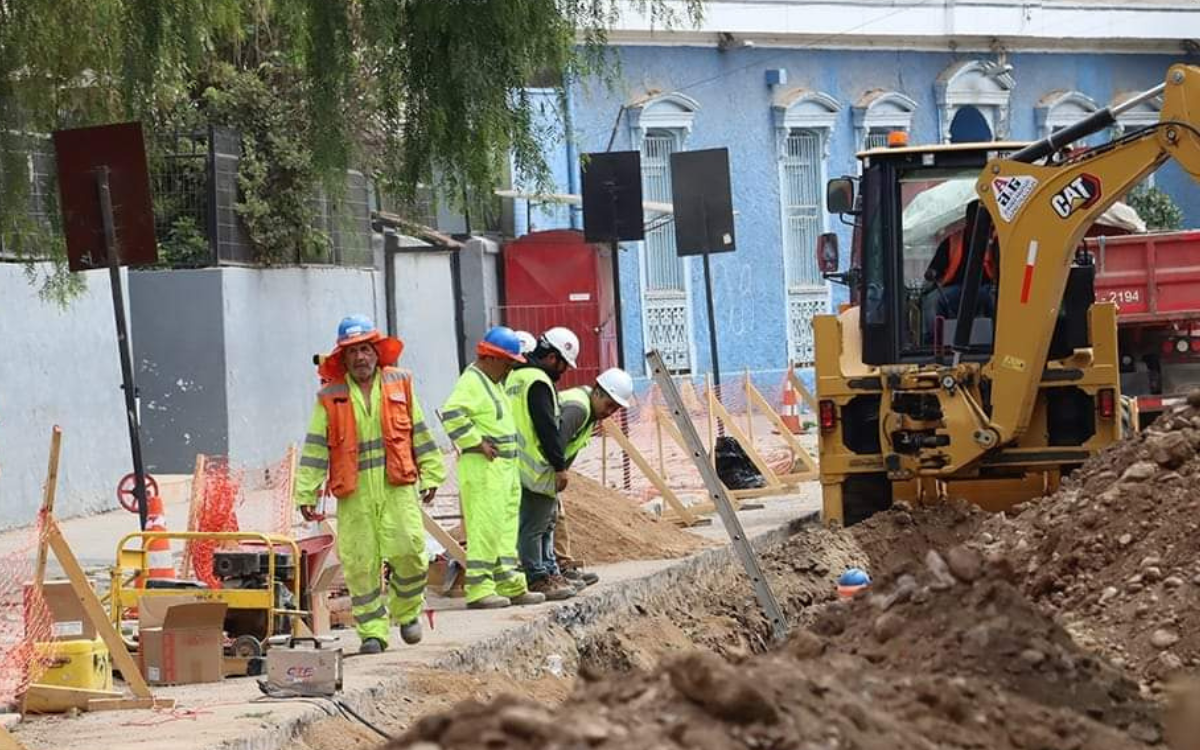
{"x": 1154, "y": 278}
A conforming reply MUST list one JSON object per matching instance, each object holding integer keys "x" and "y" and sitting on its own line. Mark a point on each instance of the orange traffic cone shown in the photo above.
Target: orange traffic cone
{"x": 159, "y": 562}
{"x": 791, "y": 415}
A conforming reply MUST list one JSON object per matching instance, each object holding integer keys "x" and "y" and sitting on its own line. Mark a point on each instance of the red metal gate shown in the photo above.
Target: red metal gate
{"x": 556, "y": 279}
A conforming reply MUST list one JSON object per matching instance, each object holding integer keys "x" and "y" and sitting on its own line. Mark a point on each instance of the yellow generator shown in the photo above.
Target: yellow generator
{"x": 973, "y": 360}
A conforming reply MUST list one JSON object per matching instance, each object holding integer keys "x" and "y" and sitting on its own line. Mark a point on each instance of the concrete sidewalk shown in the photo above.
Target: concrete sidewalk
{"x": 231, "y": 715}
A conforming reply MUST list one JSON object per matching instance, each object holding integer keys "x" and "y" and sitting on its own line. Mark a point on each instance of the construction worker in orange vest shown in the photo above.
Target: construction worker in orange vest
{"x": 944, "y": 276}
{"x": 369, "y": 444}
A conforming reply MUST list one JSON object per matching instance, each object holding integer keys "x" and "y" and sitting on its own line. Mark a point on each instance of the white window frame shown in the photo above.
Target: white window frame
{"x": 672, "y": 113}
{"x": 983, "y": 84}
{"x": 880, "y": 110}
{"x": 804, "y": 110}
{"x": 1058, "y": 109}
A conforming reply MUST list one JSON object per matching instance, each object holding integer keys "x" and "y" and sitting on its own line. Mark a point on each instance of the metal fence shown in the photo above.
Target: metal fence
{"x": 194, "y": 185}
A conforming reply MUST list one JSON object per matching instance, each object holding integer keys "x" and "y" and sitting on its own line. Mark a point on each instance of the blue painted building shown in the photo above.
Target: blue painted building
{"x": 793, "y": 107}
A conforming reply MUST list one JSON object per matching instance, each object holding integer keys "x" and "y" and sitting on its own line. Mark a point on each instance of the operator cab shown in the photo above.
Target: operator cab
{"x": 913, "y": 219}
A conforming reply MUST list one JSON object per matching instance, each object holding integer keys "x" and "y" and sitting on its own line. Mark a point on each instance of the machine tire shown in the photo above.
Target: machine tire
{"x": 864, "y": 495}
{"x": 1128, "y": 423}
{"x": 247, "y": 647}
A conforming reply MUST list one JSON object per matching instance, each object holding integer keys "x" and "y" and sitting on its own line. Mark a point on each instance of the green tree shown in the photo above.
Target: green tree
{"x": 405, "y": 88}
{"x": 1156, "y": 208}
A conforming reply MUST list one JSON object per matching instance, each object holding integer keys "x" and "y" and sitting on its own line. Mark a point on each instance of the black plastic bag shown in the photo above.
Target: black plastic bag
{"x": 734, "y": 467}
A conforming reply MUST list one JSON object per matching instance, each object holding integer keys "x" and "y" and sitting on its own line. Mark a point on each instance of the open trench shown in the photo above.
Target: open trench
{"x": 959, "y": 656}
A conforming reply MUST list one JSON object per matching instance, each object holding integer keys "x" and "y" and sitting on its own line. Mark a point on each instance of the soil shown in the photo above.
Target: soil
{"x": 1116, "y": 552}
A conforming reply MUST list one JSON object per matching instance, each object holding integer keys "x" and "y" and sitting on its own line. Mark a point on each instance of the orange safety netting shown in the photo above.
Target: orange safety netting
{"x": 230, "y": 498}
{"x": 25, "y": 618}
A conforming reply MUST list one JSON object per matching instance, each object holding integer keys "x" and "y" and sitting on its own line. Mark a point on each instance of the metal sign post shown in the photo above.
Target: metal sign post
{"x": 716, "y": 491}
{"x": 104, "y": 184}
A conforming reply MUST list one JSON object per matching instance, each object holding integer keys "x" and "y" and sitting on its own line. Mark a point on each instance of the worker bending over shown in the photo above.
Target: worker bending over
{"x": 582, "y": 408}
{"x": 543, "y": 464}
{"x": 368, "y": 443}
{"x": 477, "y": 417}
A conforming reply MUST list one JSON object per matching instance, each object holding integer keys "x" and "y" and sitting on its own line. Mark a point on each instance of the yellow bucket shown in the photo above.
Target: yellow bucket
{"x": 81, "y": 664}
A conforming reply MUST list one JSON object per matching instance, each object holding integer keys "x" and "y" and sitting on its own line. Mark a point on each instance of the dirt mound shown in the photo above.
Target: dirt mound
{"x": 607, "y": 527}
{"x": 961, "y": 615}
{"x": 898, "y": 539}
{"x": 1116, "y": 552}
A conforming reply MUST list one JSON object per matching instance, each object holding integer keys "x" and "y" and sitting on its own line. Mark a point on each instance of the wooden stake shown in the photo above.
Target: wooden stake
{"x": 658, "y": 430}
{"x": 8, "y": 742}
{"x": 762, "y": 466}
{"x": 604, "y": 458}
{"x": 798, "y": 451}
{"x": 453, "y": 549}
{"x": 195, "y": 501}
{"x": 668, "y": 495}
{"x": 48, "y": 504}
{"x": 798, "y": 387}
{"x": 95, "y": 612}
{"x": 749, "y": 411}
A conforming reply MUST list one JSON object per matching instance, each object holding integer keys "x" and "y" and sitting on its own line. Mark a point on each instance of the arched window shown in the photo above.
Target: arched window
{"x": 878, "y": 113}
{"x": 982, "y": 85}
{"x": 660, "y": 126}
{"x": 804, "y": 122}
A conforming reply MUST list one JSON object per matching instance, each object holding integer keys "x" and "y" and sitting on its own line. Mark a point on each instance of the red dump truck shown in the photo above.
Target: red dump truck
{"x": 1155, "y": 280}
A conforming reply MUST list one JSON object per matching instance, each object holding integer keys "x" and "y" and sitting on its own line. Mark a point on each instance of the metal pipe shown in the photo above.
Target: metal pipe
{"x": 1093, "y": 123}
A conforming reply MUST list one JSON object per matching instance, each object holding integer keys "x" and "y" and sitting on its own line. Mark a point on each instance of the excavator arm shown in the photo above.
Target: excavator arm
{"x": 1040, "y": 214}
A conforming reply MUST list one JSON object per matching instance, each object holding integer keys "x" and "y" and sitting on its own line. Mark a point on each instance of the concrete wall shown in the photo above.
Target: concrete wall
{"x": 275, "y": 320}
{"x": 179, "y": 355}
{"x": 735, "y": 111}
{"x": 479, "y": 273}
{"x": 60, "y": 367}
{"x": 425, "y": 322}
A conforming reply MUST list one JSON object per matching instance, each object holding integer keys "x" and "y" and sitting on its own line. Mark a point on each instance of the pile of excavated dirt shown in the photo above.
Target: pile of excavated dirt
{"x": 898, "y": 539}
{"x": 947, "y": 656}
{"x": 1116, "y": 552}
{"x": 607, "y": 527}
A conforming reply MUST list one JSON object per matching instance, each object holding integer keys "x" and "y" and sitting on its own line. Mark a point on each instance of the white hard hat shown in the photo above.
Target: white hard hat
{"x": 563, "y": 341}
{"x": 618, "y": 385}
{"x": 528, "y": 342}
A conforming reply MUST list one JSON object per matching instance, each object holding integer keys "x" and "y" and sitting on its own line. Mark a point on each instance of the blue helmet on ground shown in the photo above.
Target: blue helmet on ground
{"x": 854, "y": 577}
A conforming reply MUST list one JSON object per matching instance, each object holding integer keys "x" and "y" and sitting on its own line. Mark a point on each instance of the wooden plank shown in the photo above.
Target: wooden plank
{"x": 8, "y": 742}
{"x": 798, "y": 387}
{"x": 755, "y": 457}
{"x": 749, "y": 410}
{"x": 57, "y": 699}
{"x": 453, "y": 548}
{"x": 130, "y": 704}
{"x": 667, "y": 493}
{"x": 195, "y": 500}
{"x": 793, "y": 442}
{"x": 122, "y": 661}
{"x": 48, "y": 503}
{"x": 758, "y": 492}
{"x": 661, "y": 415}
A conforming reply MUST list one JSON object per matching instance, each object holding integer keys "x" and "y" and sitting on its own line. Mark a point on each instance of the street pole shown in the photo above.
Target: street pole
{"x": 118, "y": 297}
{"x": 615, "y": 249}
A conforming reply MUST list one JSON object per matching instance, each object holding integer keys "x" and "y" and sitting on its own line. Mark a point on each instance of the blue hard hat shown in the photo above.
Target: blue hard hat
{"x": 501, "y": 341}
{"x": 854, "y": 577}
{"x": 355, "y": 326}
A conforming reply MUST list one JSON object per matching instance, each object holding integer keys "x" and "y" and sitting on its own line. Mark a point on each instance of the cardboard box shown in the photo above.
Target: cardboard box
{"x": 181, "y": 642}
{"x": 306, "y": 666}
{"x": 68, "y": 618}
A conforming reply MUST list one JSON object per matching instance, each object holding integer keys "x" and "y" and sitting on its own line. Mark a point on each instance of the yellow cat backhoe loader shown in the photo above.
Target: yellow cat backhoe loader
{"x": 974, "y": 360}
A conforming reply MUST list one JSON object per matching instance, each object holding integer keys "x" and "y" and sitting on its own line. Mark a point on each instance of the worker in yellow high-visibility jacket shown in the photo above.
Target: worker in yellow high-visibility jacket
{"x": 478, "y": 418}
{"x": 368, "y": 443}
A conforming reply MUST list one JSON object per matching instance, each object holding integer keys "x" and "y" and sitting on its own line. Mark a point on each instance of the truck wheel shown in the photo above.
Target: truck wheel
{"x": 1129, "y": 424}
{"x": 864, "y": 495}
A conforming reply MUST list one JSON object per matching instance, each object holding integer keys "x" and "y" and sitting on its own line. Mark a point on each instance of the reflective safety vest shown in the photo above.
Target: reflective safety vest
{"x": 397, "y": 422}
{"x": 536, "y": 475}
{"x": 957, "y": 254}
{"x": 478, "y": 410}
{"x": 581, "y": 397}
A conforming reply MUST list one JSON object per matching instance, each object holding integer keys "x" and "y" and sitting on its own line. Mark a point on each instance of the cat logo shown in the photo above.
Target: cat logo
{"x": 1081, "y": 192}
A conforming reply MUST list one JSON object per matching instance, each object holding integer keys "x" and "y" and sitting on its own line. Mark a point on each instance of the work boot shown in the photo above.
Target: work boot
{"x": 372, "y": 646}
{"x": 576, "y": 576}
{"x": 554, "y": 588}
{"x": 491, "y": 601}
{"x": 411, "y": 632}
{"x": 529, "y": 597}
